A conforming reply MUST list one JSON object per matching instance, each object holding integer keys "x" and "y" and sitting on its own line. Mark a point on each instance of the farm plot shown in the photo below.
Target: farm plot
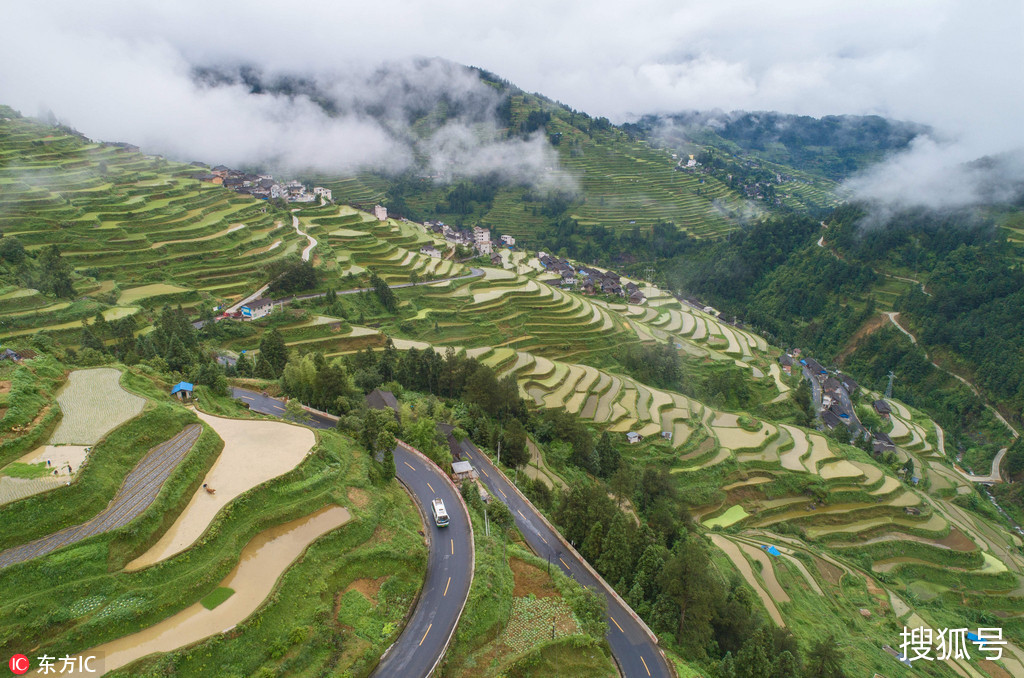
{"x": 262, "y": 562}
{"x": 133, "y": 295}
{"x": 93, "y": 403}
{"x": 254, "y": 452}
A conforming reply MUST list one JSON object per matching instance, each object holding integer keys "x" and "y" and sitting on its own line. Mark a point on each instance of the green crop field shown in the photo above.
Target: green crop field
{"x": 905, "y": 539}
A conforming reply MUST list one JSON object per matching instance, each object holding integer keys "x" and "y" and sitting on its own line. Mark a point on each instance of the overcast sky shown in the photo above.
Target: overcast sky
{"x": 119, "y": 70}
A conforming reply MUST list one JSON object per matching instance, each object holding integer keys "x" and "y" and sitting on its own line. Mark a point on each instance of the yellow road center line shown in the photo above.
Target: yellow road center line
{"x": 409, "y": 465}
{"x": 645, "y": 666}
{"x": 543, "y": 539}
{"x": 520, "y": 514}
{"x": 449, "y": 584}
{"x": 617, "y": 624}
{"x": 431, "y": 487}
{"x": 502, "y": 493}
{"x": 428, "y": 631}
{"x": 565, "y": 563}
{"x": 485, "y": 473}
{"x": 453, "y": 547}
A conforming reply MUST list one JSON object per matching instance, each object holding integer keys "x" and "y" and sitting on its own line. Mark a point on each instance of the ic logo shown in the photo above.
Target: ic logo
{"x": 19, "y": 664}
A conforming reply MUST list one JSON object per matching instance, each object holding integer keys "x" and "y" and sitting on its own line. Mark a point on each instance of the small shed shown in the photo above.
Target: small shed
{"x": 463, "y": 470}
{"x": 882, "y": 408}
{"x": 634, "y": 437}
{"x": 182, "y": 390}
{"x": 382, "y": 400}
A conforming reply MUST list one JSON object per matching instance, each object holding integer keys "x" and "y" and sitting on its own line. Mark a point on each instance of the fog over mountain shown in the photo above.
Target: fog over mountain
{"x": 127, "y": 71}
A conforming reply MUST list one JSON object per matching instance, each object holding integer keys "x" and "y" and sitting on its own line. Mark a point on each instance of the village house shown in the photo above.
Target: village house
{"x": 508, "y": 240}
{"x": 221, "y": 171}
{"x": 430, "y": 251}
{"x": 786, "y": 361}
{"x": 633, "y": 437}
{"x": 815, "y": 367}
{"x": 322, "y": 192}
{"x": 830, "y": 419}
{"x": 182, "y": 390}
{"x": 209, "y": 178}
{"x": 496, "y": 259}
{"x": 882, "y": 408}
{"x": 463, "y": 470}
{"x": 849, "y": 384}
{"x": 380, "y": 212}
{"x": 882, "y": 443}
{"x": 255, "y": 310}
{"x": 378, "y": 399}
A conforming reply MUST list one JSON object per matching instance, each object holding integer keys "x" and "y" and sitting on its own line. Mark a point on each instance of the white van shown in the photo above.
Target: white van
{"x": 440, "y": 514}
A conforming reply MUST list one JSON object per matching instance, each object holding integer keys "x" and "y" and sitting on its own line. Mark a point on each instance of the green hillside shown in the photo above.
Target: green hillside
{"x": 677, "y": 523}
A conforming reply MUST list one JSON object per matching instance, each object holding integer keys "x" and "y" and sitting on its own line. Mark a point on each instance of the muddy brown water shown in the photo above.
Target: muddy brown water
{"x": 254, "y": 452}
{"x": 264, "y": 559}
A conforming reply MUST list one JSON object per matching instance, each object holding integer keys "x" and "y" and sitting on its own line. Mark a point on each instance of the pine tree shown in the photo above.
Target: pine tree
{"x": 591, "y": 548}
{"x": 273, "y": 352}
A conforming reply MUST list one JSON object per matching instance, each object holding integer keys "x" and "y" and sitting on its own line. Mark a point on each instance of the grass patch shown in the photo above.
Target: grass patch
{"x": 219, "y": 595}
{"x": 18, "y": 469}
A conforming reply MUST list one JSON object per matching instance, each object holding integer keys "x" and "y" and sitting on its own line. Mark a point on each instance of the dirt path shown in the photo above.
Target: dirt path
{"x": 311, "y": 239}
{"x": 254, "y": 452}
{"x": 993, "y": 476}
{"x": 732, "y": 550}
{"x": 262, "y": 561}
{"x": 893, "y": 318}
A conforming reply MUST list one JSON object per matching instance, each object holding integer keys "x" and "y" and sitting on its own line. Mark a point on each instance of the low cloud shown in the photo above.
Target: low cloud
{"x": 941, "y": 176}
{"x": 123, "y": 70}
{"x": 364, "y": 117}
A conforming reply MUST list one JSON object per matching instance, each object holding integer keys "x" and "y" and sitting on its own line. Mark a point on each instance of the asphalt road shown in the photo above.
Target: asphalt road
{"x": 635, "y": 652}
{"x": 449, "y": 562}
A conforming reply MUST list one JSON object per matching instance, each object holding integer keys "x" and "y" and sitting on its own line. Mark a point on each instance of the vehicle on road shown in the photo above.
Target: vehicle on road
{"x": 440, "y": 514}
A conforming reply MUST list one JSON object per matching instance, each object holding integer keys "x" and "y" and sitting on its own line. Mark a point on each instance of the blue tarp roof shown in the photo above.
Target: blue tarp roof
{"x": 182, "y": 386}
{"x": 772, "y": 550}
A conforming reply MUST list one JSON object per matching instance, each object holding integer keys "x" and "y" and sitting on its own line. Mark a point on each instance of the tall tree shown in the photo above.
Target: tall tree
{"x": 273, "y": 352}
{"x": 55, "y": 272}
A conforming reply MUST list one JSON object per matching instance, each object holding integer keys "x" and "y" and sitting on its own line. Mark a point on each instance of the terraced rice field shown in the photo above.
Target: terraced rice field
{"x": 138, "y": 491}
{"x": 136, "y": 294}
{"x": 732, "y": 516}
{"x": 127, "y": 215}
{"x": 93, "y": 403}
{"x": 254, "y": 452}
{"x": 260, "y": 564}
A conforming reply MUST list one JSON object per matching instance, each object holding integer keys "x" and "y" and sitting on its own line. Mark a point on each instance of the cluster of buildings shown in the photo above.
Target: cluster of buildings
{"x": 261, "y": 186}
{"x": 836, "y": 405}
{"x": 591, "y": 280}
{"x": 478, "y": 238}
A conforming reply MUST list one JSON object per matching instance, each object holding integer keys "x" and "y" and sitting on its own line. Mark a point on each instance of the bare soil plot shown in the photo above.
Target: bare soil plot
{"x": 771, "y": 583}
{"x": 838, "y": 469}
{"x": 790, "y": 459}
{"x": 254, "y": 452}
{"x": 262, "y": 562}
{"x": 93, "y": 404}
{"x": 730, "y": 549}
{"x": 819, "y": 452}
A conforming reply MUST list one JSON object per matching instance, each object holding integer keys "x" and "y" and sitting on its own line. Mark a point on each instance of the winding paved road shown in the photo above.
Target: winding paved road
{"x": 632, "y": 644}
{"x": 450, "y": 560}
